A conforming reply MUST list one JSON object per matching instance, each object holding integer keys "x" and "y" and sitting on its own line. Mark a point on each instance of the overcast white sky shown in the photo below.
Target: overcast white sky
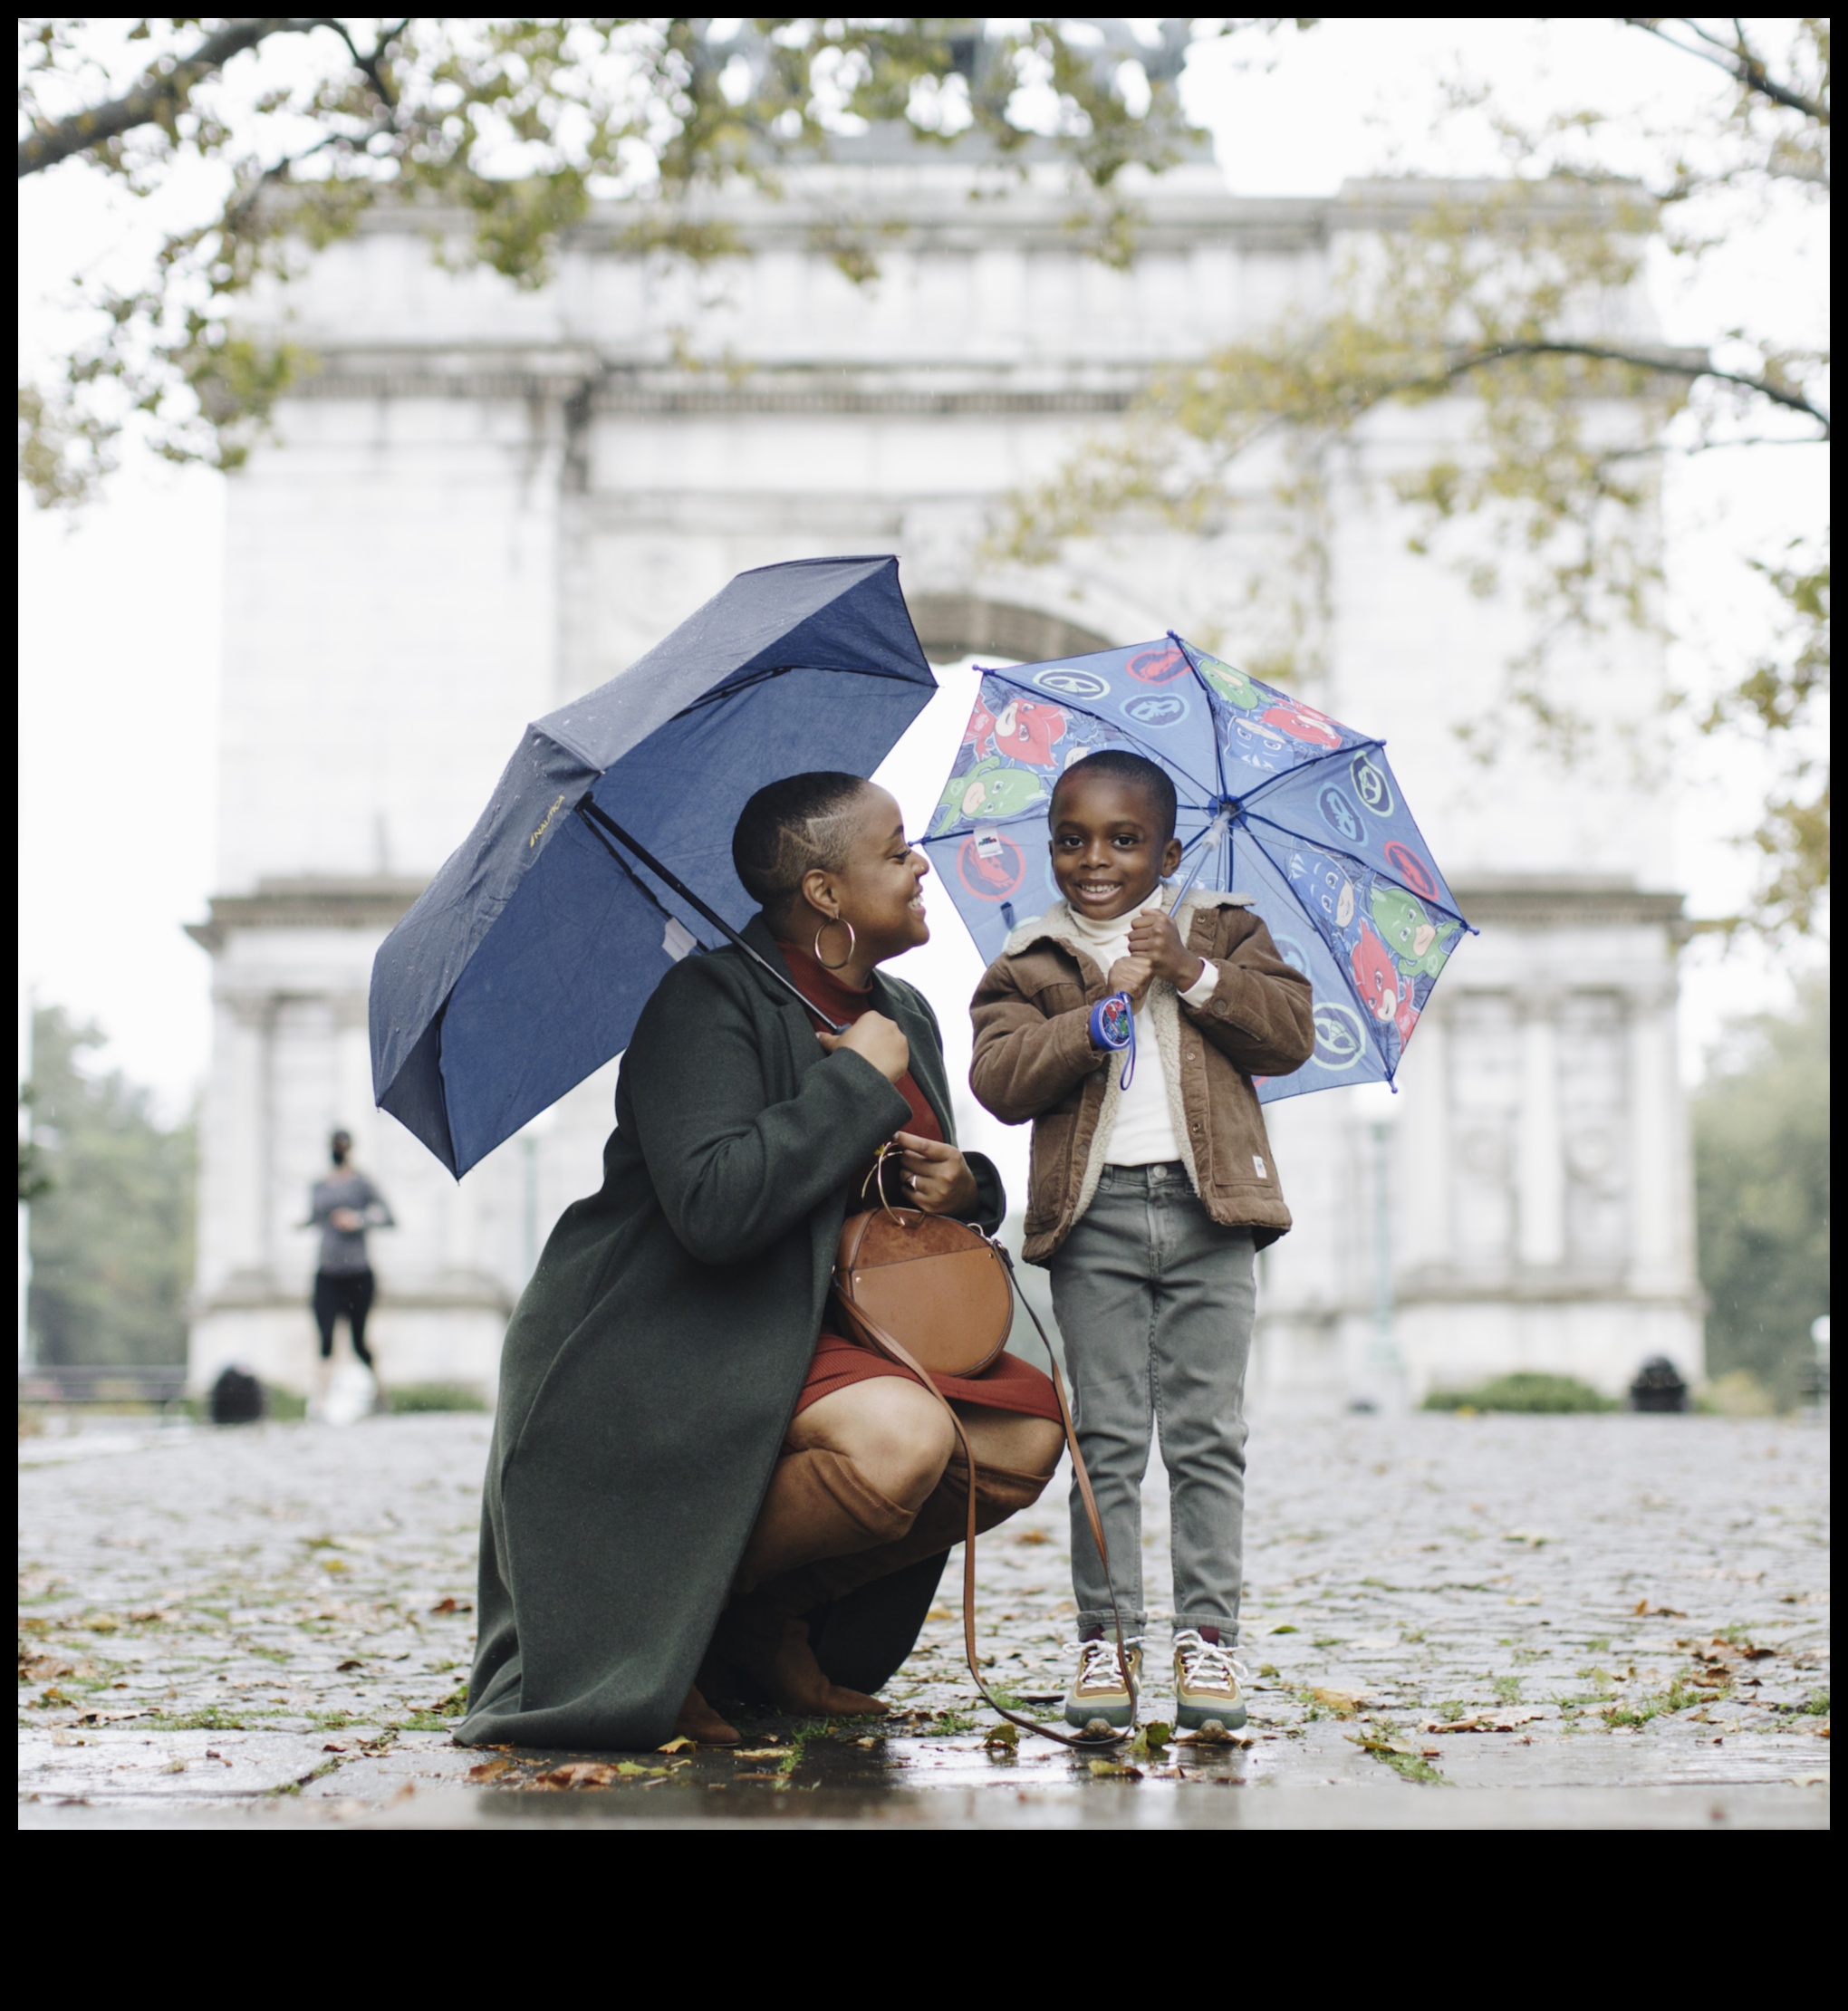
{"x": 120, "y": 612}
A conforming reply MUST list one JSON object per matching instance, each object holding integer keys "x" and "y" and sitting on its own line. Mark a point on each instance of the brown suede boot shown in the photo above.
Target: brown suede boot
{"x": 769, "y": 1648}
{"x": 940, "y": 1524}
{"x": 699, "y": 1722}
{"x": 820, "y": 1504}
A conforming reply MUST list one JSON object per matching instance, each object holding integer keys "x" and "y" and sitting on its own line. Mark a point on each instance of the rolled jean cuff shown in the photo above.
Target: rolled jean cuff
{"x": 1228, "y": 1629}
{"x": 1134, "y": 1623}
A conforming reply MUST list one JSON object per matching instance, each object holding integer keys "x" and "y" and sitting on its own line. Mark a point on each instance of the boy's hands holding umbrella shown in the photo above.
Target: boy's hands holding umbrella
{"x": 1155, "y": 943}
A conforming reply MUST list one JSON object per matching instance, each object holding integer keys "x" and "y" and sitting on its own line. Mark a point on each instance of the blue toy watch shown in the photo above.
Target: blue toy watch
{"x": 1114, "y": 1026}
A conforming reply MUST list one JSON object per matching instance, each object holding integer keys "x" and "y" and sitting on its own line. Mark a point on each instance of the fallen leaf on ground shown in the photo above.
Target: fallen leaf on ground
{"x": 577, "y": 1773}
{"x": 1370, "y": 1742}
{"x": 1286, "y": 1629}
{"x": 1482, "y": 1721}
{"x": 1344, "y": 1703}
{"x": 353, "y": 1661}
{"x": 1661, "y": 1612}
{"x": 1115, "y": 1770}
{"x": 1533, "y": 1538}
{"x": 337, "y": 1745}
{"x": 490, "y": 1770}
{"x": 759, "y": 1752}
{"x": 452, "y": 1606}
{"x": 1220, "y": 1737}
{"x": 679, "y": 1745}
{"x": 776, "y": 1777}
{"x": 1003, "y": 1737}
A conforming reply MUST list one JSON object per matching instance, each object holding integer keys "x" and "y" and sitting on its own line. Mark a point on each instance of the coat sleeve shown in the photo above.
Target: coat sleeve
{"x": 1025, "y": 1062}
{"x": 1260, "y": 1015}
{"x": 733, "y": 1172}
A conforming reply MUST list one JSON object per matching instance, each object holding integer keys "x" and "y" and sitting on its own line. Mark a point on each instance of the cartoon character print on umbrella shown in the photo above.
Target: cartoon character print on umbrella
{"x": 1385, "y": 993}
{"x": 989, "y": 866}
{"x": 1301, "y": 723}
{"x": 992, "y": 788}
{"x": 1024, "y": 731}
{"x": 1420, "y": 947}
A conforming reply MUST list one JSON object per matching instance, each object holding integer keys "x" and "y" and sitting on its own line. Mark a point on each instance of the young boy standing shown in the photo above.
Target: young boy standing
{"x": 1147, "y": 1202}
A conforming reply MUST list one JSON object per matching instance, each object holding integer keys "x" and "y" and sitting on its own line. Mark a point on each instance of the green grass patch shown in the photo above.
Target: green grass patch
{"x": 1524, "y": 1392}
{"x": 1509, "y": 1689}
{"x": 1678, "y": 1697}
{"x": 1389, "y": 1746}
{"x": 1815, "y": 1705}
{"x": 408, "y": 1397}
{"x": 211, "y": 1719}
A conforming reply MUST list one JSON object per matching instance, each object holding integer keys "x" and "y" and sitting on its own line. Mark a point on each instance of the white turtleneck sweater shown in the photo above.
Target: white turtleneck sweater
{"x": 1143, "y": 1134}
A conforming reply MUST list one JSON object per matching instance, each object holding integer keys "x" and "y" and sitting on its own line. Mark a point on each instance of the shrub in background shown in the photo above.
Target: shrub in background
{"x": 405, "y": 1397}
{"x": 1524, "y": 1390}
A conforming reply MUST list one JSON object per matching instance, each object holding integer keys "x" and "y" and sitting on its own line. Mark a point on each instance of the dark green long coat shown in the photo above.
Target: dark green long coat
{"x": 652, "y": 1365}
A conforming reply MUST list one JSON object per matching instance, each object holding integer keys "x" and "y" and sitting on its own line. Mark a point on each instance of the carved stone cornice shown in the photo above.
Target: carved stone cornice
{"x": 1562, "y": 901}
{"x": 315, "y": 900}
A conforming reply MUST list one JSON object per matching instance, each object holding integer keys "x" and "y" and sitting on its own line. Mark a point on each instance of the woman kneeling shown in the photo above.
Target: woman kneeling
{"x": 696, "y": 1484}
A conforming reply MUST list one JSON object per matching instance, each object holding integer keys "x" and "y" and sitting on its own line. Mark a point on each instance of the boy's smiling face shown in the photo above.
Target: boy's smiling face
{"x": 1109, "y": 853}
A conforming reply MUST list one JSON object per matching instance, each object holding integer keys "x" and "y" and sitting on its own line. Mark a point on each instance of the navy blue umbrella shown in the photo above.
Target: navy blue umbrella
{"x": 605, "y": 854}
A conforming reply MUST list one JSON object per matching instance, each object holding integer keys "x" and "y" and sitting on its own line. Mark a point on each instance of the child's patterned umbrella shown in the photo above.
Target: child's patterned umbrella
{"x": 1277, "y": 801}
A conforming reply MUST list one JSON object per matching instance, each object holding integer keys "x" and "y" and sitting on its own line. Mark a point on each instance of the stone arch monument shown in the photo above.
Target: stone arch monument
{"x": 483, "y": 500}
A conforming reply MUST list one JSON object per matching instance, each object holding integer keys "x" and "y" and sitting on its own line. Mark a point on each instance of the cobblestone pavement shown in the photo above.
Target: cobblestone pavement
{"x": 1583, "y": 1620}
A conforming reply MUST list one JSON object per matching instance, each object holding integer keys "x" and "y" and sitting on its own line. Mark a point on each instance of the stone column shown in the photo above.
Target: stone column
{"x": 1660, "y": 1246}
{"x": 1423, "y": 1225}
{"x": 239, "y": 1206}
{"x": 1541, "y": 1160}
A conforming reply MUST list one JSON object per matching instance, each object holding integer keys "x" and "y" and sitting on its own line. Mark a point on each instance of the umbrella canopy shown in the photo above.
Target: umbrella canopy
{"x": 1277, "y": 801}
{"x": 526, "y": 961}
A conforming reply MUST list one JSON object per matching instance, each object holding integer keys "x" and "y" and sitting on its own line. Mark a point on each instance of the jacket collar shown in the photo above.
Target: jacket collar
{"x": 1055, "y": 925}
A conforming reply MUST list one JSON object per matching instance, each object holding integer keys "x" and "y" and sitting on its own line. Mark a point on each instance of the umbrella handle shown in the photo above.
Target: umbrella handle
{"x": 589, "y": 811}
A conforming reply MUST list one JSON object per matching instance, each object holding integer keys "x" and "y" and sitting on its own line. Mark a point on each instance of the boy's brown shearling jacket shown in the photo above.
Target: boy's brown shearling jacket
{"x": 1034, "y": 1060}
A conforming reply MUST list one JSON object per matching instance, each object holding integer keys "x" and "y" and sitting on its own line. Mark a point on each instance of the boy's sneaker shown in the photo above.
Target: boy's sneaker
{"x": 1207, "y": 1676}
{"x": 1099, "y": 1690}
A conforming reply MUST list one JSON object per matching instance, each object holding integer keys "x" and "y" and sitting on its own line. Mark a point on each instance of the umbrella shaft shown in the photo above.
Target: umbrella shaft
{"x": 589, "y": 810}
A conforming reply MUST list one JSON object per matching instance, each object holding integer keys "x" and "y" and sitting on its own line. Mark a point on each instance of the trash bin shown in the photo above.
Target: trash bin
{"x": 236, "y": 1397}
{"x": 1659, "y": 1386}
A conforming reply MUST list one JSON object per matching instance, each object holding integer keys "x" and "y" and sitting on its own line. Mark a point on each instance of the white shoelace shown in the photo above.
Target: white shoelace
{"x": 1097, "y": 1665}
{"x": 1208, "y": 1664}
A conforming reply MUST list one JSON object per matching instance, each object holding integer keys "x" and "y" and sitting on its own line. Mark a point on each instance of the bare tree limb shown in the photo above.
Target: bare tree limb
{"x": 157, "y": 92}
{"x": 1738, "y": 61}
{"x": 1668, "y": 362}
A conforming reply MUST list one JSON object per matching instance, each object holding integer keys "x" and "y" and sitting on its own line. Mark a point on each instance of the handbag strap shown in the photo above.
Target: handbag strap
{"x": 906, "y": 1359}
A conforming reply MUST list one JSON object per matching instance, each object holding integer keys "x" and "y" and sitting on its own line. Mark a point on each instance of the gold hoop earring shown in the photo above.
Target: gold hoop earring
{"x": 853, "y": 943}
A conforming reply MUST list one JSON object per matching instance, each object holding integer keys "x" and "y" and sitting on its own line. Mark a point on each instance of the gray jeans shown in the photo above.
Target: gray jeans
{"x": 1155, "y": 1301}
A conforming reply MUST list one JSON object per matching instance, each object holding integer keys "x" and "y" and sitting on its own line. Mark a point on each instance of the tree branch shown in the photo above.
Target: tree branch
{"x": 1739, "y": 63}
{"x": 157, "y": 92}
{"x": 1668, "y": 362}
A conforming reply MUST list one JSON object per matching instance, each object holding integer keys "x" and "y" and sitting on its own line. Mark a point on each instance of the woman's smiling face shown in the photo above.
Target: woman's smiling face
{"x": 880, "y": 888}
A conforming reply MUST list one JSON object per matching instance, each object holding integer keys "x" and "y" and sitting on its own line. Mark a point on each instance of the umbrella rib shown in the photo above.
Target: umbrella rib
{"x": 782, "y": 671}
{"x": 1212, "y": 720}
{"x": 1310, "y": 918}
{"x": 1360, "y": 865}
{"x": 589, "y": 810}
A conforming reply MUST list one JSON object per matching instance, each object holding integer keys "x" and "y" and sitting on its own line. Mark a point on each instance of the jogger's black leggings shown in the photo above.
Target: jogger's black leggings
{"x": 346, "y": 1294}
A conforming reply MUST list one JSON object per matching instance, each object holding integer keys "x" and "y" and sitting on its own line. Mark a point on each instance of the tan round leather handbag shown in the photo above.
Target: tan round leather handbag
{"x": 937, "y": 1295}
